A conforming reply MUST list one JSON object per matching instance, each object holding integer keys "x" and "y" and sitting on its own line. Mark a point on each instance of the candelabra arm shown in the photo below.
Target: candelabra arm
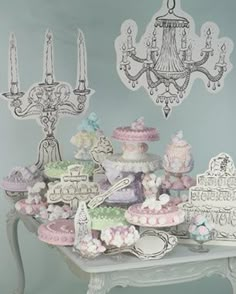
{"x": 184, "y": 86}
{"x": 152, "y": 84}
{"x": 135, "y": 77}
{"x": 28, "y": 111}
{"x": 203, "y": 60}
{"x": 156, "y": 74}
{"x": 136, "y": 58}
{"x": 70, "y": 108}
{"x": 212, "y": 78}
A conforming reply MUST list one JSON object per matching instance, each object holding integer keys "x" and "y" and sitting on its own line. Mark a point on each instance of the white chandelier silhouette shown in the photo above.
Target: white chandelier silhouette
{"x": 170, "y": 56}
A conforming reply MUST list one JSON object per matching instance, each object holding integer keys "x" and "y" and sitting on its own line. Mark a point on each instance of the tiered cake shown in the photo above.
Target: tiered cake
{"x": 133, "y": 161}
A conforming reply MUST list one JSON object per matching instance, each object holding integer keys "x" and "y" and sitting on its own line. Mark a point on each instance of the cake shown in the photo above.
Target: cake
{"x": 106, "y": 217}
{"x": 154, "y": 213}
{"x": 90, "y": 247}
{"x": 200, "y": 228}
{"x": 20, "y": 178}
{"x": 178, "y": 156}
{"x": 59, "y": 232}
{"x": 137, "y": 132}
{"x": 56, "y": 169}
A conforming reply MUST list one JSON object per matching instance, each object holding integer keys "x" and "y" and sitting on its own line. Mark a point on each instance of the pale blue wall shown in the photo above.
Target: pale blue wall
{"x": 208, "y": 120}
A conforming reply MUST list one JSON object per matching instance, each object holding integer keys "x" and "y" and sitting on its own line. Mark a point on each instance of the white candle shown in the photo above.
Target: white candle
{"x": 81, "y": 57}
{"x": 222, "y": 54}
{"x": 129, "y": 39}
{"x": 208, "y": 39}
{"x": 124, "y": 54}
{"x": 49, "y": 53}
{"x": 13, "y": 62}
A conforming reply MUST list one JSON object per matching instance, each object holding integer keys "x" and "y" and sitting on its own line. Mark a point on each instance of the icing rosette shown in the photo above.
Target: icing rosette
{"x": 54, "y": 212}
{"x": 151, "y": 184}
{"x": 121, "y": 236}
{"x": 90, "y": 247}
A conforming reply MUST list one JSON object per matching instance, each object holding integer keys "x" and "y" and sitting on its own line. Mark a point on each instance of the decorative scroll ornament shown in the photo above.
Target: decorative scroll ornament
{"x": 170, "y": 56}
{"x": 214, "y": 197}
{"x": 73, "y": 188}
{"x": 100, "y": 151}
{"x": 49, "y": 100}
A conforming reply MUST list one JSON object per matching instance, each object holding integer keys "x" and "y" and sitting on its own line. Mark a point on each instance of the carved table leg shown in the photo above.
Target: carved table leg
{"x": 232, "y": 273}
{"x": 12, "y": 224}
{"x": 97, "y": 284}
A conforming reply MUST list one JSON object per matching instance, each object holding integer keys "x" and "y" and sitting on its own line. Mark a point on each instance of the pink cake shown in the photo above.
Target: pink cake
{"x": 60, "y": 232}
{"x": 178, "y": 156}
{"x": 137, "y": 132}
{"x": 29, "y": 208}
{"x": 20, "y": 178}
{"x": 168, "y": 215}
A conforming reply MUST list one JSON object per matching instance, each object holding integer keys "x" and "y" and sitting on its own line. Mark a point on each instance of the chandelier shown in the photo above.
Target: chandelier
{"x": 170, "y": 56}
{"x": 49, "y": 100}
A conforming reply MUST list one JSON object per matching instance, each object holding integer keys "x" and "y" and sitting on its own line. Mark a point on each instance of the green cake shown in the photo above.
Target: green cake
{"x": 56, "y": 169}
{"x": 106, "y": 217}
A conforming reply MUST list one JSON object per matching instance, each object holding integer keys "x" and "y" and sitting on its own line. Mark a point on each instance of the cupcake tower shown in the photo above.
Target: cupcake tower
{"x": 134, "y": 161}
{"x": 177, "y": 162}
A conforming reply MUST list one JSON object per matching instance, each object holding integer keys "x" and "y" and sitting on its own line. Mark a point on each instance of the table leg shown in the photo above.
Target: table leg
{"x": 97, "y": 284}
{"x": 12, "y": 225}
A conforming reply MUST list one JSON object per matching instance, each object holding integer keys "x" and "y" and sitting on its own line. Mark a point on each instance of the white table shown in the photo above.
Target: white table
{"x": 107, "y": 272}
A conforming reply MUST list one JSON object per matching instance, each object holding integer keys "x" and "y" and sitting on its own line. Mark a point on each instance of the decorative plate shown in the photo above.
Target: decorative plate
{"x": 152, "y": 244}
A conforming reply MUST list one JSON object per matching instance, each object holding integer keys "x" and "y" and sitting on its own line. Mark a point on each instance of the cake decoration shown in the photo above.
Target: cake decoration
{"x": 100, "y": 151}
{"x": 103, "y": 217}
{"x": 90, "y": 247}
{"x": 20, "y": 178}
{"x": 178, "y": 156}
{"x": 59, "y": 232}
{"x": 133, "y": 161}
{"x": 151, "y": 184}
{"x": 121, "y": 236}
{"x": 155, "y": 213}
{"x": 73, "y": 187}
{"x": 88, "y": 133}
{"x": 53, "y": 212}
{"x": 200, "y": 230}
{"x": 34, "y": 201}
{"x": 82, "y": 223}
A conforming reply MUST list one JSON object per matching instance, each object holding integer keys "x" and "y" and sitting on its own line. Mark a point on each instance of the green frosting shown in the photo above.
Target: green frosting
{"x": 58, "y": 168}
{"x": 106, "y": 217}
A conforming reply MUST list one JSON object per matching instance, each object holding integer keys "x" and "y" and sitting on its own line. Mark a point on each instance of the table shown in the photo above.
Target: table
{"x": 107, "y": 272}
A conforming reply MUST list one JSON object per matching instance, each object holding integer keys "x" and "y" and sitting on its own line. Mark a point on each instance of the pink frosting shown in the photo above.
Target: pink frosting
{"x": 30, "y": 209}
{"x": 169, "y": 215}
{"x": 60, "y": 232}
{"x": 127, "y": 134}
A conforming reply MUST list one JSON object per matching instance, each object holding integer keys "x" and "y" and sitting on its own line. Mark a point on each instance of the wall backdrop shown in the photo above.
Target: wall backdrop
{"x": 208, "y": 121}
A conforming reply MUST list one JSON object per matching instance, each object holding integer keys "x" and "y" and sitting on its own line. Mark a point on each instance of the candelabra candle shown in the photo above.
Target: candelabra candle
{"x": 14, "y": 80}
{"x": 222, "y": 55}
{"x": 81, "y": 58}
{"x": 124, "y": 55}
{"x": 49, "y": 75}
{"x": 208, "y": 39}
{"x": 129, "y": 39}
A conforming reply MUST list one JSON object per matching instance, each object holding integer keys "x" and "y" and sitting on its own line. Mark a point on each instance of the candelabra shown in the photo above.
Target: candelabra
{"x": 170, "y": 61}
{"x": 47, "y": 101}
